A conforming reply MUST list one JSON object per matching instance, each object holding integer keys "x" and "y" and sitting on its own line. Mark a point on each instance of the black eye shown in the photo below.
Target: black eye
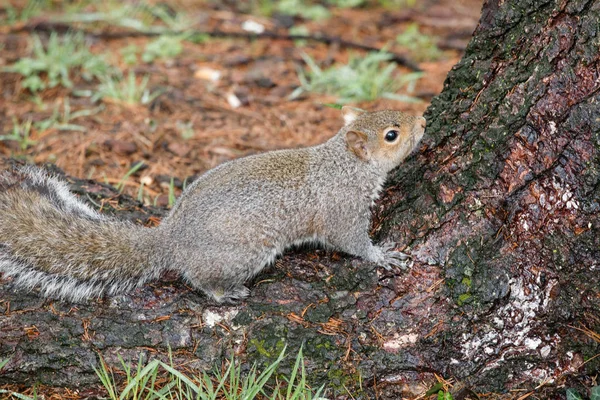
{"x": 390, "y": 136}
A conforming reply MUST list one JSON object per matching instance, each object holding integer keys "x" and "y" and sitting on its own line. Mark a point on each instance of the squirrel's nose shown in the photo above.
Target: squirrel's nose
{"x": 422, "y": 122}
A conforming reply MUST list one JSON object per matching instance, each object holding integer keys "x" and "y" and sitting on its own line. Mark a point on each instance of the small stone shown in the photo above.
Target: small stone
{"x": 233, "y": 100}
{"x": 253, "y": 26}
{"x": 207, "y": 74}
{"x": 146, "y": 180}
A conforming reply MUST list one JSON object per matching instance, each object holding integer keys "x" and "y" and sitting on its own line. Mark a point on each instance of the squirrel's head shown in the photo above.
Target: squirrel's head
{"x": 383, "y": 137}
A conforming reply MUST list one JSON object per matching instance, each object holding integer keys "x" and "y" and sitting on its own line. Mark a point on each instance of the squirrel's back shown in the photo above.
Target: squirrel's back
{"x": 51, "y": 240}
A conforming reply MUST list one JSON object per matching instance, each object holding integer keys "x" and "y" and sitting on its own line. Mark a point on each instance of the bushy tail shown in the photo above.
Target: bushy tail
{"x": 51, "y": 240}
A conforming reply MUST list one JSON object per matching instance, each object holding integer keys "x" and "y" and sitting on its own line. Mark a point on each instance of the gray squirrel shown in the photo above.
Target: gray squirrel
{"x": 225, "y": 228}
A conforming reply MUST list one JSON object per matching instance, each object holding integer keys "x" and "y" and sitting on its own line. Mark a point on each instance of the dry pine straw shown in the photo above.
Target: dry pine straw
{"x": 261, "y": 73}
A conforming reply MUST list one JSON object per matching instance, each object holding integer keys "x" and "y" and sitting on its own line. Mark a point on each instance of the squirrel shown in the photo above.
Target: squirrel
{"x": 225, "y": 228}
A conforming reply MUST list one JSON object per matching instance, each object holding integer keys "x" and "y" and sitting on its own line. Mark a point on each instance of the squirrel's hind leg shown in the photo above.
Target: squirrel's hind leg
{"x": 221, "y": 274}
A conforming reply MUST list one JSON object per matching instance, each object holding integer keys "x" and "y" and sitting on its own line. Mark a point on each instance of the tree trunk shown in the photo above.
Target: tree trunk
{"x": 500, "y": 210}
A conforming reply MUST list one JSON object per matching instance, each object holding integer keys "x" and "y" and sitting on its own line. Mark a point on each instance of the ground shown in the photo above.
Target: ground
{"x": 191, "y": 127}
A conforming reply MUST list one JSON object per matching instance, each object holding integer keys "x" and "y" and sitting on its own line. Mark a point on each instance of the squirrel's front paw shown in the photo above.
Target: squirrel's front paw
{"x": 393, "y": 258}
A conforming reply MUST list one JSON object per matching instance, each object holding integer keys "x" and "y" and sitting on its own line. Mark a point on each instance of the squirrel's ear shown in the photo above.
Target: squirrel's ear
{"x": 350, "y": 113}
{"x": 357, "y": 143}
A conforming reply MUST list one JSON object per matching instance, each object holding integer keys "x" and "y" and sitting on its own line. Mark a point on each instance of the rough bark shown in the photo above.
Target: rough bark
{"x": 505, "y": 200}
{"x": 500, "y": 210}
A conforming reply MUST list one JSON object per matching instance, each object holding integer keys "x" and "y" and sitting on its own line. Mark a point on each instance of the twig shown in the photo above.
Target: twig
{"x": 50, "y": 26}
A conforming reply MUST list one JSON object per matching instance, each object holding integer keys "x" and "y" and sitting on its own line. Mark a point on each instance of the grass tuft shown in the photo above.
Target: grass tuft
{"x": 422, "y": 47}
{"x": 140, "y": 16}
{"x": 165, "y": 46}
{"x": 53, "y": 64}
{"x": 572, "y": 394}
{"x": 296, "y": 8}
{"x": 362, "y": 79}
{"x": 159, "y": 380}
{"x": 130, "y": 90}
{"x": 20, "y": 133}
{"x": 347, "y": 3}
{"x": 33, "y": 8}
{"x": 63, "y": 121}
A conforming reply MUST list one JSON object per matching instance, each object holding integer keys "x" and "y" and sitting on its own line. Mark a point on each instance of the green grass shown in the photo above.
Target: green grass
{"x": 296, "y": 8}
{"x": 125, "y": 15}
{"x": 64, "y": 121}
{"x": 172, "y": 192}
{"x": 315, "y": 10}
{"x": 165, "y": 46}
{"x": 129, "y": 54}
{"x": 347, "y": 3}
{"x": 304, "y": 9}
{"x": 156, "y": 380}
{"x": 572, "y": 394}
{"x": 174, "y": 21}
{"x": 159, "y": 380}
{"x": 121, "y": 185}
{"x": 33, "y": 8}
{"x": 422, "y": 47}
{"x": 52, "y": 65}
{"x": 362, "y": 79}
{"x": 129, "y": 90}
{"x": 299, "y": 30}
{"x": 139, "y": 16}
{"x": 20, "y": 133}
{"x": 397, "y": 4}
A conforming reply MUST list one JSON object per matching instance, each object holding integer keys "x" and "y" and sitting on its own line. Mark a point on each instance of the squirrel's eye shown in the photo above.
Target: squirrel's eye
{"x": 392, "y": 135}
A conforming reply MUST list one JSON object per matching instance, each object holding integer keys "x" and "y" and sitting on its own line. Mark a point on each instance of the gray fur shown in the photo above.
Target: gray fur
{"x": 51, "y": 240}
{"x": 226, "y": 227}
{"x": 57, "y": 192}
